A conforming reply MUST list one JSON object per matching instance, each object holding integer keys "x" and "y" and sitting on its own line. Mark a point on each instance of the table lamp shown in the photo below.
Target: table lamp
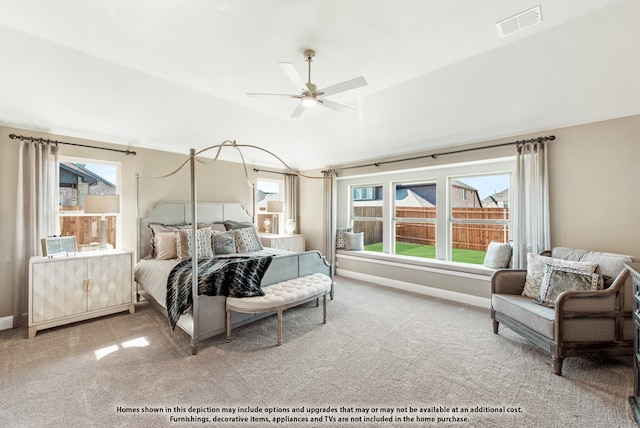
{"x": 102, "y": 204}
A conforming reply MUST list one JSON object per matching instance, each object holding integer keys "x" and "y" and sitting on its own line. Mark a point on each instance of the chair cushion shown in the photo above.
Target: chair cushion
{"x": 522, "y": 309}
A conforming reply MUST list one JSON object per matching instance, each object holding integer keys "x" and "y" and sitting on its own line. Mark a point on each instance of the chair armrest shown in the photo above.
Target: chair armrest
{"x": 593, "y": 302}
{"x": 508, "y": 281}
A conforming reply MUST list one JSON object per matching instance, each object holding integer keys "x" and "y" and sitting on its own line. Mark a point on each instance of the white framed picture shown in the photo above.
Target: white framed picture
{"x": 59, "y": 245}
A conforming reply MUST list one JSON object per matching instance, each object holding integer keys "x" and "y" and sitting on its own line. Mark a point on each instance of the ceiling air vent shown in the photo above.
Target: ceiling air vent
{"x": 519, "y": 21}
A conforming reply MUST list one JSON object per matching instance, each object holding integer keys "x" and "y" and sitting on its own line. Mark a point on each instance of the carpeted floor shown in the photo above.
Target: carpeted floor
{"x": 385, "y": 358}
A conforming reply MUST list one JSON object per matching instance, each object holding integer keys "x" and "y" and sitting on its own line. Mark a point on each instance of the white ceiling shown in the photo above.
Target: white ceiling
{"x": 173, "y": 74}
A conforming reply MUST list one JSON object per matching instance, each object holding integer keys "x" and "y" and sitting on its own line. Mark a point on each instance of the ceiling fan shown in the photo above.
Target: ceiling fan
{"x": 310, "y": 95}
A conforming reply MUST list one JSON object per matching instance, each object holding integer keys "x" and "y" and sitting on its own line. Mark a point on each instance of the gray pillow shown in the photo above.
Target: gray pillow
{"x": 558, "y": 279}
{"x": 498, "y": 255}
{"x": 340, "y": 231}
{"x": 354, "y": 241}
{"x": 223, "y": 242}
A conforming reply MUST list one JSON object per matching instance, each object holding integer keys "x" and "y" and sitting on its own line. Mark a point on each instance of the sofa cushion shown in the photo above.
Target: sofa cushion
{"x": 522, "y": 309}
{"x": 559, "y": 279}
{"x": 535, "y": 271}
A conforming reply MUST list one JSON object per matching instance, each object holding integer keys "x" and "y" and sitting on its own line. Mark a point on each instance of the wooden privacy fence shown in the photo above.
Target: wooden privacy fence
{"x": 86, "y": 229}
{"x": 469, "y": 236}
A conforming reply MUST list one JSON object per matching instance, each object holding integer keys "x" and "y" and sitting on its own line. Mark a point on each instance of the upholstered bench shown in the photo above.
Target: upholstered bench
{"x": 281, "y": 296}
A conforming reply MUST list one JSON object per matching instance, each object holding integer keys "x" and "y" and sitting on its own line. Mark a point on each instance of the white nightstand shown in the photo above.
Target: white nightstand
{"x": 283, "y": 242}
{"x": 66, "y": 289}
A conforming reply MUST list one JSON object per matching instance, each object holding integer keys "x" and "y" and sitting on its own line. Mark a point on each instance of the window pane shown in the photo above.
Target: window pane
{"x": 484, "y": 197}
{"x": 78, "y": 179}
{"x": 268, "y": 215}
{"x": 415, "y": 201}
{"x": 469, "y": 241}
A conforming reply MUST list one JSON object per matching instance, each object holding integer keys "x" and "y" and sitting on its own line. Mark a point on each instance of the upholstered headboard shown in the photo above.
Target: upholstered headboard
{"x": 180, "y": 213}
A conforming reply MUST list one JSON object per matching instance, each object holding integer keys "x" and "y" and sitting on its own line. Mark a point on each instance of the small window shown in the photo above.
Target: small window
{"x": 269, "y": 205}
{"x": 78, "y": 178}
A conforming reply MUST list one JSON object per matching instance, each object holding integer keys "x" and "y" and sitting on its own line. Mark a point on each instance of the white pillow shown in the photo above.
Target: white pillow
{"x": 498, "y": 255}
{"x": 354, "y": 241}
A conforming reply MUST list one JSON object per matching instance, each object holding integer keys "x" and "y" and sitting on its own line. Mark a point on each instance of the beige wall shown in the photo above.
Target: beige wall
{"x": 220, "y": 181}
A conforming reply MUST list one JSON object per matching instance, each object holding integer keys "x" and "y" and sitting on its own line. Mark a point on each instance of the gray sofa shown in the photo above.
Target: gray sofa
{"x": 582, "y": 322}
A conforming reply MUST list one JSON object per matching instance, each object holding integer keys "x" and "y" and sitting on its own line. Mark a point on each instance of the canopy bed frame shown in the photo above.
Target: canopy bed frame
{"x": 207, "y": 317}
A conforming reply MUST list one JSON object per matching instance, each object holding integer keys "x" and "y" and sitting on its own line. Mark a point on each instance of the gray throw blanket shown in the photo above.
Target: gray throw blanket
{"x": 236, "y": 276}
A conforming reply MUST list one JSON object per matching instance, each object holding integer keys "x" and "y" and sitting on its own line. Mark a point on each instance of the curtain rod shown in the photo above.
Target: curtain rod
{"x": 273, "y": 172}
{"x": 435, "y": 155}
{"x": 46, "y": 140}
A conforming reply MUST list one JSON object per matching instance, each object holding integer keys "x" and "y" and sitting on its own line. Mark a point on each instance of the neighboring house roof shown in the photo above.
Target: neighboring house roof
{"x": 68, "y": 175}
{"x": 413, "y": 200}
{"x": 497, "y": 199}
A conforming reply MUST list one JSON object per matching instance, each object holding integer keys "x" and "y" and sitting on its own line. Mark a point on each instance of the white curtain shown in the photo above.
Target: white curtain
{"x": 328, "y": 239}
{"x": 36, "y": 214}
{"x": 290, "y": 198}
{"x": 531, "y": 221}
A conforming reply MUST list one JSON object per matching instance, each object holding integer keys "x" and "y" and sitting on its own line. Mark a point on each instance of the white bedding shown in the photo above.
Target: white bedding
{"x": 152, "y": 274}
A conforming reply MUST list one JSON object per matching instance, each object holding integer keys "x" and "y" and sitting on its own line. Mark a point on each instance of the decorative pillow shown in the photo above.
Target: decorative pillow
{"x": 247, "y": 240}
{"x": 354, "y": 241}
{"x": 498, "y": 255}
{"x": 223, "y": 242}
{"x": 232, "y": 225}
{"x": 166, "y": 245}
{"x": 559, "y": 279}
{"x": 340, "y": 231}
{"x": 159, "y": 228}
{"x": 184, "y": 241}
{"x": 535, "y": 271}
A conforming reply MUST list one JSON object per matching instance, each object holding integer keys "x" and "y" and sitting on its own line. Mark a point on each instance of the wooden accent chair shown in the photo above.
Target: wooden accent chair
{"x": 582, "y": 322}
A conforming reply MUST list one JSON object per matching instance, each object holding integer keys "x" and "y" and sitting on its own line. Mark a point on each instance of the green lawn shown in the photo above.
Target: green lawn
{"x": 429, "y": 252}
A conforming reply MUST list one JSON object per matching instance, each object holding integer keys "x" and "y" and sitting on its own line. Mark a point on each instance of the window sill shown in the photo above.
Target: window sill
{"x": 453, "y": 268}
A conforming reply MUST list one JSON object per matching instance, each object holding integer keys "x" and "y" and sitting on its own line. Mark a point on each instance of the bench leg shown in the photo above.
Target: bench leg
{"x": 228, "y": 325}
{"x": 280, "y": 326}
{"x": 324, "y": 309}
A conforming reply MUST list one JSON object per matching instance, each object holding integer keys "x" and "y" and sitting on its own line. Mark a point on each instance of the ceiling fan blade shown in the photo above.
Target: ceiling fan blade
{"x": 335, "y": 106}
{"x": 293, "y": 75}
{"x": 298, "y": 111}
{"x": 254, "y": 94}
{"x": 344, "y": 86}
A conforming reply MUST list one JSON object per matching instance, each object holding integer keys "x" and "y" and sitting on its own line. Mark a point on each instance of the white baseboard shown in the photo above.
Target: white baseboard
{"x": 6, "y": 323}
{"x": 482, "y": 302}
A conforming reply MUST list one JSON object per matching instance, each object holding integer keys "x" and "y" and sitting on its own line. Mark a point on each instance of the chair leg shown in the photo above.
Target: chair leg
{"x": 557, "y": 366}
{"x": 496, "y": 324}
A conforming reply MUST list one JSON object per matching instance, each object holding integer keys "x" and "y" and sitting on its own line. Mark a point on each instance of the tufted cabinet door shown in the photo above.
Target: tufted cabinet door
{"x": 110, "y": 281}
{"x": 58, "y": 289}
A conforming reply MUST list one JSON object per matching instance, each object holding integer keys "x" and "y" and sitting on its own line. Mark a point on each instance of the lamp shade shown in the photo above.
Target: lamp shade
{"x": 275, "y": 206}
{"x": 101, "y": 204}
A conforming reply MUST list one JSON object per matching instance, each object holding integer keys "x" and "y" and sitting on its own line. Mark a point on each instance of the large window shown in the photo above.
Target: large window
{"x": 448, "y": 213}
{"x": 78, "y": 178}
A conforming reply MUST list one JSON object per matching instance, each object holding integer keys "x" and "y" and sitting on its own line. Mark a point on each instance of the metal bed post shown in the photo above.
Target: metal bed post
{"x": 195, "y": 336}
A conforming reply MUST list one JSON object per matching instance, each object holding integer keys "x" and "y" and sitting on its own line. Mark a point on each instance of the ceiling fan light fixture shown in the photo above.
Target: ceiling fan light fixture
{"x": 308, "y": 100}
